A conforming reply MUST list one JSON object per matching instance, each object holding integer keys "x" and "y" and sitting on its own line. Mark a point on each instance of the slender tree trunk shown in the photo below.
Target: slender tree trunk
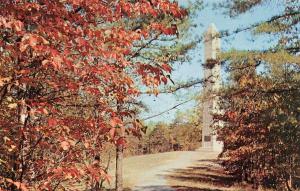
{"x": 105, "y": 170}
{"x": 149, "y": 145}
{"x": 291, "y": 174}
{"x": 119, "y": 168}
{"x": 119, "y": 158}
{"x": 23, "y": 118}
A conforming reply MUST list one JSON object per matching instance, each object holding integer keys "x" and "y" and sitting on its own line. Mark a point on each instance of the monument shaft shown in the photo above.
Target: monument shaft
{"x": 212, "y": 75}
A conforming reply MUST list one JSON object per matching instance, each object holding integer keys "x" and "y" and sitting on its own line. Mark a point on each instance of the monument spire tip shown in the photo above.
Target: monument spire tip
{"x": 212, "y": 28}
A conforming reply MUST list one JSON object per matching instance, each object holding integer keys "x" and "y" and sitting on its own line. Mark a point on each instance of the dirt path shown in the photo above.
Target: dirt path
{"x": 178, "y": 171}
{"x": 147, "y": 171}
{"x": 155, "y": 178}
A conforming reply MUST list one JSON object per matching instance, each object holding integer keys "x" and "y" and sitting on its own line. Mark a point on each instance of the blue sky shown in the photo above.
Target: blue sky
{"x": 193, "y": 69}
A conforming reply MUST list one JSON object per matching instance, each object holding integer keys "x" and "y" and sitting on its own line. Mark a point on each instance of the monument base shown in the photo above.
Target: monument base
{"x": 213, "y": 145}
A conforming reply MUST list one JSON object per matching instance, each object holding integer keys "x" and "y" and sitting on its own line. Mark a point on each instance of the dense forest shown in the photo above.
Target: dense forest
{"x": 261, "y": 101}
{"x": 182, "y": 134}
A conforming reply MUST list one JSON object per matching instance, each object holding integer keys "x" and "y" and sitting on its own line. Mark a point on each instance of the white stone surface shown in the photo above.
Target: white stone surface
{"x": 212, "y": 45}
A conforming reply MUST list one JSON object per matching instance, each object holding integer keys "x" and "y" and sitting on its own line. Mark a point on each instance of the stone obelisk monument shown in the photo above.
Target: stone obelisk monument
{"x": 212, "y": 75}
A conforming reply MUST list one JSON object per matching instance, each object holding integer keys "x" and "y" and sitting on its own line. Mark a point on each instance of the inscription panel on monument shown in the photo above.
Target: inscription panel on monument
{"x": 207, "y": 138}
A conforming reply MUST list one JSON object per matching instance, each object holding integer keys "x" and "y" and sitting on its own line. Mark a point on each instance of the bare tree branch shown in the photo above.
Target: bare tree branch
{"x": 174, "y": 107}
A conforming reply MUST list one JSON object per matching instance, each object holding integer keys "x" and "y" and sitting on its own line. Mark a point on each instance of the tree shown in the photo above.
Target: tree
{"x": 69, "y": 78}
{"x": 186, "y": 129}
{"x": 260, "y": 121}
{"x": 159, "y": 140}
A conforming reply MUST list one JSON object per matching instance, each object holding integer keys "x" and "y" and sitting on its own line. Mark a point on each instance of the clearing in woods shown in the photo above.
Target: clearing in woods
{"x": 178, "y": 171}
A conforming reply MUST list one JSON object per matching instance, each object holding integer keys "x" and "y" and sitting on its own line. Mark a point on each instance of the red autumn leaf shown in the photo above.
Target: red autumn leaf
{"x": 169, "y": 31}
{"x": 18, "y": 25}
{"x": 115, "y": 121}
{"x": 164, "y": 79}
{"x": 166, "y": 67}
{"x": 112, "y": 132}
{"x": 31, "y": 40}
{"x": 52, "y": 122}
{"x": 93, "y": 172}
{"x": 94, "y": 91}
{"x": 65, "y": 145}
{"x": 121, "y": 141}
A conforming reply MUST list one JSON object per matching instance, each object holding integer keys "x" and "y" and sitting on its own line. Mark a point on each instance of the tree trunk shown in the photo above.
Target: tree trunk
{"x": 119, "y": 168}
{"x": 290, "y": 183}
{"x": 119, "y": 157}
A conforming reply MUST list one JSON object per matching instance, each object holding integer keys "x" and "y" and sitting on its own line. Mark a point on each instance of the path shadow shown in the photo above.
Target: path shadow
{"x": 187, "y": 188}
{"x": 173, "y": 188}
{"x": 154, "y": 188}
{"x": 204, "y": 175}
